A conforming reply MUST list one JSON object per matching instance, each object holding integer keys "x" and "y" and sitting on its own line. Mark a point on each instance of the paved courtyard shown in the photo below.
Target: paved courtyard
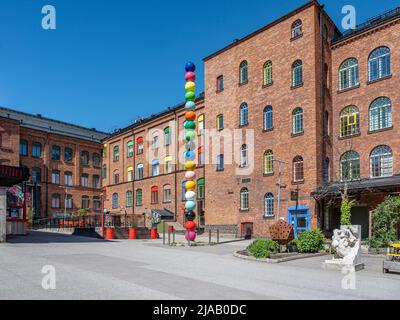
{"x": 95, "y": 269}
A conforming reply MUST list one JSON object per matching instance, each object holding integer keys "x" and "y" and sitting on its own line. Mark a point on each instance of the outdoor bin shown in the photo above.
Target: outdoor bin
{"x": 132, "y": 233}
{"x": 153, "y": 234}
{"x": 110, "y": 234}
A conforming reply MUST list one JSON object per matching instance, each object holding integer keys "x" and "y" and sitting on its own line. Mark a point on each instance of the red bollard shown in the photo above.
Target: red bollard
{"x": 171, "y": 229}
{"x": 132, "y": 234}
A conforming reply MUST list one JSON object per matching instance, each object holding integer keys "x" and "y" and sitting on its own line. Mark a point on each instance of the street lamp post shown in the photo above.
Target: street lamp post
{"x": 280, "y": 162}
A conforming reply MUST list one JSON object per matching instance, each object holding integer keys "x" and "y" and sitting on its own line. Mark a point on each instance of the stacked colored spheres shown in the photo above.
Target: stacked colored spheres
{"x": 190, "y": 155}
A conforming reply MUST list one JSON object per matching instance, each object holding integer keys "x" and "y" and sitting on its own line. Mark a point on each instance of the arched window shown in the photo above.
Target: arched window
{"x": 139, "y": 171}
{"x": 104, "y": 171}
{"x": 167, "y": 165}
{"x": 244, "y": 156}
{"x": 154, "y": 195}
{"x": 139, "y": 199}
{"x": 350, "y": 166}
{"x": 326, "y": 170}
{"x": 349, "y": 122}
{"x": 84, "y": 157}
{"x": 268, "y": 205}
{"x": 67, "y": 178}
{"x": 96, "y": 204}
{"x": 268, "y": 162}
{"x": 381, "y": 162}
{"x": 268, "y": 118}
{"x": 298, "y": 169}
{"x": 297, "y": 121}
{"x": 267, "y": 73}
{"x": 167, "y": 136}
{"x": 130, "y": 148}
{"x": 115, "y": 201}
{"x": 155, "y": 144}
{"x": 167, "y": 193}
{"x": 130, "y": 174}
{"x": 348, "y": 74}
{"x": 297, "y": 73}
{"x": 155, "y": 168}
{"x": 129, "y": 199}
{"x": 139, "y": 145}
{"x": 380, "y": 114}
{"x": 200, "y": 124}
{"x": 297, "y": 27}
{"x": 379, "y": 63}
{"x": 243, "y": 74}
{"x": 116, "y": 176}
{"x": 56, "y": 201}
{"x": 244, "y": 199}
{"x": 116, "y": 153}
{"x": 220, "y": 122}
{"x": 244, "y": 114}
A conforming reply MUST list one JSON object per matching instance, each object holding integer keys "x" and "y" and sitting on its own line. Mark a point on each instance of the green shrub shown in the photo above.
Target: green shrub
{"x": 311, "y": 241}
{"x": 263, "y": 248}
{"x": 384, "y": 223}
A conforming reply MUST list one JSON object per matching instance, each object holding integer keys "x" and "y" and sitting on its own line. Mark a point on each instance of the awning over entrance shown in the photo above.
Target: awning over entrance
{"x": 365, "y": 185}
{"x": 164, "y": 214}
{"x": 10, "y": 176}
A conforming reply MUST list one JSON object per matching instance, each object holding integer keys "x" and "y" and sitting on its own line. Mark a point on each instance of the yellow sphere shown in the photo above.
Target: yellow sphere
{"x": 190, "y": 185}
{"x": 190, "y": 86}
{"x": 190, "y": 165}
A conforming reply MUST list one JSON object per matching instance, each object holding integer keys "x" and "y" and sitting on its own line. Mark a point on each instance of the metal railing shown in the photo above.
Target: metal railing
{"x": 92, "y": 221}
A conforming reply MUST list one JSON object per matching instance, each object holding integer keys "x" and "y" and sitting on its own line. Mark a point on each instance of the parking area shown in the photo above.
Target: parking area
{"x": 144, "y": 269}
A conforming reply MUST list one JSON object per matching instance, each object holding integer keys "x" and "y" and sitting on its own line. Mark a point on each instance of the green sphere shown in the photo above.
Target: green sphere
{"x": 190, "y": 125}
{"x": 190, "y": 135}
{"x": 190, "y": 96}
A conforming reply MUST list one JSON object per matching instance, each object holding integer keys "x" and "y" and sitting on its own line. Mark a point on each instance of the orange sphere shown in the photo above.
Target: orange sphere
{"x": 190, "y": 116}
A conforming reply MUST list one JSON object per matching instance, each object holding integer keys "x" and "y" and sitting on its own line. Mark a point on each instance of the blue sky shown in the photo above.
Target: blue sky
{"x": 111, "y": 61}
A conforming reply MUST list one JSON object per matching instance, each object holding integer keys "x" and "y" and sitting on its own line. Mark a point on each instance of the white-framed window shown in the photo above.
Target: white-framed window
{"x": 268, "y": 118}
{"x": 55, "y": 177}
{"x": 297, "y": 119}
{"x": 297, "y": 29}
{"x": 381, "y": 162}
{"x": 69, "y": 201}
{"x": 130, "y": 174}
{"x": 244, "y": 114}
{"x": 269, "y": 205}
{"x": 155, "y": 142}
{"x": 244, "y": 156}
{"x": 85, "y": 202}
{"x": 350, "y": 166}
{"x": 167, "y": 193}
{"x": 348, "y": 74}
{"x": 380, "y": 114}
{"x": 155, "y": 168}
{"x": 68, "y": 178}
{"x": 56, "y": 201}
{"x": 243, "y": 72}
{"x": 267, "y": 73}
{"x": 379, "y": 64}
{"x": 297, "y": 73}
{"x": 85, "y": 180}
{"x": 139, "y": 171}
{"x": 244, "y": 199}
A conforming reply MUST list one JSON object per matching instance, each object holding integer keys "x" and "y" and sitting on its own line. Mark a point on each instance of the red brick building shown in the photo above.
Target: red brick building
{"x": 64, "y": 161}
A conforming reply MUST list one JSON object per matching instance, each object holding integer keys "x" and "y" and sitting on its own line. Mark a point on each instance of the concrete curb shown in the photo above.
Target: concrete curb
{"x": 237, "y": 254}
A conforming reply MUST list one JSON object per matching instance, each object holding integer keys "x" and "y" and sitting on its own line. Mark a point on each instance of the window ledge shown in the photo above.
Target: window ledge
{"x": 268, "y": 130}
{"x": 243, "y": 83}
{"x": 220, "y": 170}
{"x": 298, "y": 182}
{"x": 244, "y": 210}
{"x": 296, "y": 37}
{"x": 219, "y": 91}
{"x": 297, "y": 134}
{"x": 348, "y": 89}
{"x": 349, "y": 137}
{"x": 380, "y": 79}
{"x": 269, "y": 174}
{"x": 379, "y": 130}
{"x": 297, "y": 86}
{"x": 243, "y": 125}
{"x": 267, "y": 85}
{"x": 269, "y": 217}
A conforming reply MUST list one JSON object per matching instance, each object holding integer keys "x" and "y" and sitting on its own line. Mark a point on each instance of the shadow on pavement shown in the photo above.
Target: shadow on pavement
{"x": 38, "y": 237}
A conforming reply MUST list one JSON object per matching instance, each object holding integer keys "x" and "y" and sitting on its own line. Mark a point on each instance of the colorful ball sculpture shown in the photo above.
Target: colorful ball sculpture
{"x": 190, "y": 155}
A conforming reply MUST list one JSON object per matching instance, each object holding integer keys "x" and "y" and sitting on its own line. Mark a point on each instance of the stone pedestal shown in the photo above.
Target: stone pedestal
{"x": 347, "y": 243}
{"x": 3, "y": 214}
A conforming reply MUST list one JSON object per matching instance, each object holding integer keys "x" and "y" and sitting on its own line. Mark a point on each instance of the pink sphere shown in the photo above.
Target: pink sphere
{"x": 190, "y": 76}
{"x": 191, "y": 235}
{"x": 190, "y": 175}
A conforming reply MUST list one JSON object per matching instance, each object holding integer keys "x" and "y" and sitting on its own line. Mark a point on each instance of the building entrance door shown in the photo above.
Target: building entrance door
{"x": 300, "y": 219}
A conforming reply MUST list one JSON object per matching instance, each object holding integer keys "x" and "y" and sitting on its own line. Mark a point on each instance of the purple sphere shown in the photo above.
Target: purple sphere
{"x": 190, "y": 235}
